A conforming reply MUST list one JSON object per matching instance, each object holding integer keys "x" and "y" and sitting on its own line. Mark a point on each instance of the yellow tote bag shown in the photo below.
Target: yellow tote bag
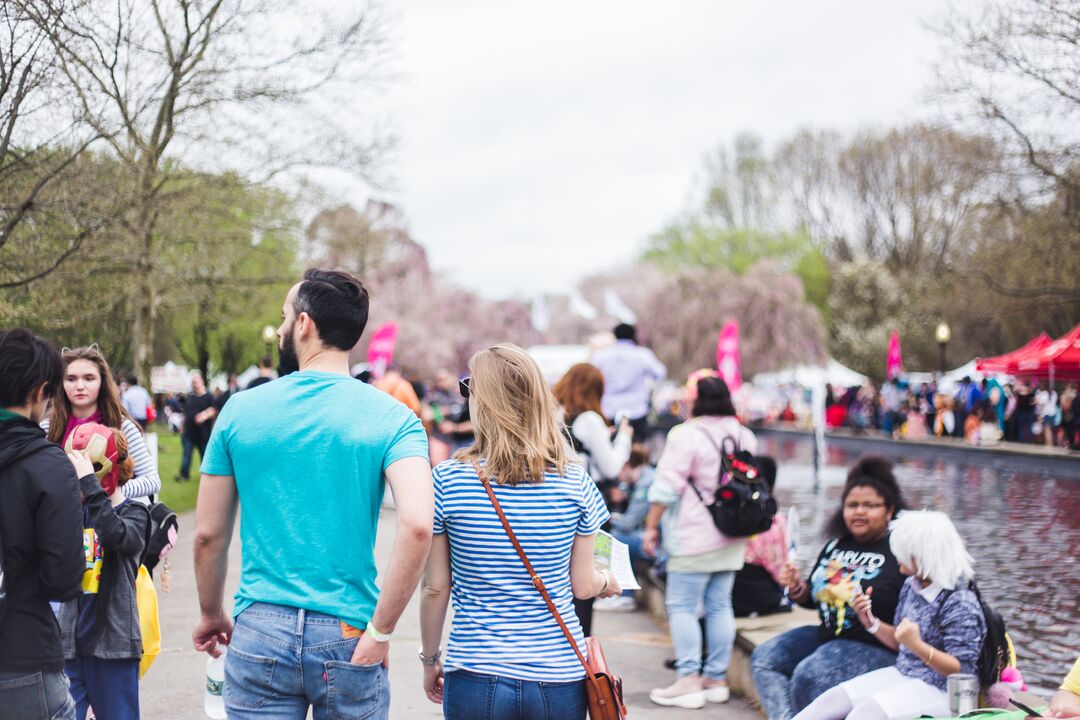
{"x": 149, "y": 624}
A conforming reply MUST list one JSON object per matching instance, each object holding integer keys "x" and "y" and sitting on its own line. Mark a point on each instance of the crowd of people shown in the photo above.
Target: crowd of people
{"x": 983, "y": 412}
{"x": 501, "y": 485}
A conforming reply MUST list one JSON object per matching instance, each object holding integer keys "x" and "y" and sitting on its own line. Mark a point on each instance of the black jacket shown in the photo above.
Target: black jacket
{"x": 41, "y": 526}
{"x": 113, "y": 631}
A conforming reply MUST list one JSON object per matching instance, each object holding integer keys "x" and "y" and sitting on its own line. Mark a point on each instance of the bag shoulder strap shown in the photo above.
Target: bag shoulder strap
{"x": 537, "y": 581}
{"x": 719, "y": 451}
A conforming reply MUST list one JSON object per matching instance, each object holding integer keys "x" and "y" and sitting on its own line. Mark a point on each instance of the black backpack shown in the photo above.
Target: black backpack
{"x": 997, "y": 652}
{"x": 997, "y": 649}
{"x": 743, "y": 504}
{"x": 164, "y": 528}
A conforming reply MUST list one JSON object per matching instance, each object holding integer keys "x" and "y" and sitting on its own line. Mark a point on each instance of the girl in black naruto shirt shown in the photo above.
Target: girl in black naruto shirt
{"x": 794, "y": 668}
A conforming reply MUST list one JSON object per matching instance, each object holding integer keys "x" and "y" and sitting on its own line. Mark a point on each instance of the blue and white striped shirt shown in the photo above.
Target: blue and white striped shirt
{"x": 501, "y": 624}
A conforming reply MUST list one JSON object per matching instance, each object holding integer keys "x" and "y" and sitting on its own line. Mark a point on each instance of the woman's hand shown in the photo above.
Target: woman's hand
{"x": 907, "y": 633}
{"x": 81, "y": 463}
{"x": 612, "y": 589}
{"x": 624, "y": 426}
{"x": 433, "y": 682}
{"x": 864, "y": 608}
{"x": 1064, "y": 704}
{"x": 789, "y": 576}
{"x": 650, "y": 541}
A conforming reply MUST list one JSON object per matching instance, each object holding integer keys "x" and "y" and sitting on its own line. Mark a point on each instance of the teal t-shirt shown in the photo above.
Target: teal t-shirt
{"x": 308, "y": 452}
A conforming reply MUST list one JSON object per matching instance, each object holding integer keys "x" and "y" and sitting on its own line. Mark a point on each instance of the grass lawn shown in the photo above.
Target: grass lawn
{"x": 179, "y": 496}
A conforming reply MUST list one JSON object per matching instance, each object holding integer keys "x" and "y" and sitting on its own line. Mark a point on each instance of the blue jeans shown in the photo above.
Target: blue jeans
{"x": 187, "y": 448}
{"x": 685, "y": 592}
{"x": 111, "y": 687}
{"x": 282, "y": 660}
{"x": 792, "y": 669}
{"x": 36, "y": 696}
{"x": 472, "y": 696}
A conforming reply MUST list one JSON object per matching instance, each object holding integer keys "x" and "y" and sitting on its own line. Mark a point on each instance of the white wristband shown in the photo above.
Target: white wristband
{"x": 376, "y": 635}
{"x": 875, "y": 627}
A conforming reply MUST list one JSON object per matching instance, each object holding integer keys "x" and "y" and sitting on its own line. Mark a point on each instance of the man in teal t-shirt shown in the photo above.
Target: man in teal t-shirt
{"x": 305, "y": 457}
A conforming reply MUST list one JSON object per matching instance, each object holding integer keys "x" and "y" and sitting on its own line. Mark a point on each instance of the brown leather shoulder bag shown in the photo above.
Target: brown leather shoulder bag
{"x": 604, "y": 687}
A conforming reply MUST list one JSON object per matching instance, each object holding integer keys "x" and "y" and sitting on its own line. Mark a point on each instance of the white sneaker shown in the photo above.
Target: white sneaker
{"x": 687, "y": 692}
{"x": 717, "y": 693}
{"x": 618, "y": 603}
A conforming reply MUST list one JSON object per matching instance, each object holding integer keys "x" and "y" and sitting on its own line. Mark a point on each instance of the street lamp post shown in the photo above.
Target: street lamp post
{"x": 943, "y": 335}
{"x": 268, "y": 333}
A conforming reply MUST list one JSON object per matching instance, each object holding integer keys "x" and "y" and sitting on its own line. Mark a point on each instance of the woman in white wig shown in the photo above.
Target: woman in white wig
{"x": 939, "y": 629}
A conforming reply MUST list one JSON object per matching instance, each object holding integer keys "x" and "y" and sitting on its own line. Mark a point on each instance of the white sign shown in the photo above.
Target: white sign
{"x": 170, "y": 378}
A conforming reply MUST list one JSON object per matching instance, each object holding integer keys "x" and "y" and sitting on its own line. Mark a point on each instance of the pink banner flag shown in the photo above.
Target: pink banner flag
{"x": 380, "y": 352}
{"x": 895, "y": 365}
{"x": 728, "y": 362}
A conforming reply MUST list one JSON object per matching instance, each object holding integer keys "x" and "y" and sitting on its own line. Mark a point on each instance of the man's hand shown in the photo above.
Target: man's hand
{"x": 210, "y": 631}
{"x": 370, "y": 652}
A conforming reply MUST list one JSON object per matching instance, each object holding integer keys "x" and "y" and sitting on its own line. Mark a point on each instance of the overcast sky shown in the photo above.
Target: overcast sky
{"x": 541, "y": 142}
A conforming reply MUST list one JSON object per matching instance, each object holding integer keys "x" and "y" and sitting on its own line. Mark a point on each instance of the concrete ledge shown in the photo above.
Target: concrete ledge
{"x": 750, "y": 632}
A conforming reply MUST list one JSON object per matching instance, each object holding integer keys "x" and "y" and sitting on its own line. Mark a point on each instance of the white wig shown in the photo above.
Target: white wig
{"x": 928, "y": 543}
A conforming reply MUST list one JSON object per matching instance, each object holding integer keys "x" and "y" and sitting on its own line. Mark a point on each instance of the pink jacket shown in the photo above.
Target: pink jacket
{"x": 691, "y": 451}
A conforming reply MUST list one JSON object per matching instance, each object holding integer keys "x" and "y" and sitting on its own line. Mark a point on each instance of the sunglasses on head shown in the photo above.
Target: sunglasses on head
{"x": 463, "y": 387}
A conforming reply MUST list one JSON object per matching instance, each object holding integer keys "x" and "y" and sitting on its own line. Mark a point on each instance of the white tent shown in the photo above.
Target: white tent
{"x": 555, "y": 360}
{"x": 834, "y": 373}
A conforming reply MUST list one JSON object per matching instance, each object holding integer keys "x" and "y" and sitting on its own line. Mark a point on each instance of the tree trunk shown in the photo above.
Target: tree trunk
{"x": 144, "y": 302}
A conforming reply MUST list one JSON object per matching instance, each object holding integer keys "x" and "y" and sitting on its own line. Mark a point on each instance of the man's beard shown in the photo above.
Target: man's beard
{"x": 288, "y": 362}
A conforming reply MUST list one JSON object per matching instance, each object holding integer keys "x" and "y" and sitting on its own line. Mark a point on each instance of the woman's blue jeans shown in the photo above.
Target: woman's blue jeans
{"x": 792, "y": 669}
{"x": 472, "y": 696}
{"x": 686, "y": 592}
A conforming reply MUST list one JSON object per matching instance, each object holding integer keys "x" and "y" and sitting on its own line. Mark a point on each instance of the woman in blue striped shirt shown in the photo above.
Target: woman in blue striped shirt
{"x": 507, "y": 657}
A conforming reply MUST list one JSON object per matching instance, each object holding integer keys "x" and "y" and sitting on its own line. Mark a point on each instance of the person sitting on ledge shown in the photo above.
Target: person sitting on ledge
{"x": 1066, "y": 701}
{"x": 794, "y": 668}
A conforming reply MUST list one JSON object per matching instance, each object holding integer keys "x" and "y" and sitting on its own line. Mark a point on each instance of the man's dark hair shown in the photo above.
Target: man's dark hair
{"x": 133, "y": 379}
{"x": 713, "y": 398}
{"x": 26, "y": 363}
{"x": 625, "y": 331}
{"x": 266, "y": 362}
{"x": 338, "y": 304}
{"x": 874, "y": 472}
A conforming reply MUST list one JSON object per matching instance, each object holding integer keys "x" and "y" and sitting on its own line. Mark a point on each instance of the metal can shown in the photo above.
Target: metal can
{"x": 963, "y": 693}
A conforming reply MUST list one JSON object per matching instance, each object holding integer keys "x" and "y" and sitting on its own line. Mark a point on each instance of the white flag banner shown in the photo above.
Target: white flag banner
{"x": 616, "y": 308}
{"x": 540, "y": 316}
{"x": 581, "y": 307}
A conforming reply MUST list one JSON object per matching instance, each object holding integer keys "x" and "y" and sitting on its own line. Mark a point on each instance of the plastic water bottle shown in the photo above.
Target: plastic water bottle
{"x": 213, "y": 702}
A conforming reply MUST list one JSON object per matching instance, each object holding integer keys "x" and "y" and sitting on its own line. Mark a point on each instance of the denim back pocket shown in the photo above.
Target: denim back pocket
{"x": 249, "y": 680}
{"x": 355, "y": 692}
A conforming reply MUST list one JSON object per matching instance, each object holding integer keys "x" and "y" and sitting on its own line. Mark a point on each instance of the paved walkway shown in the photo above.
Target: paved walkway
{"x": 173, "y": 688}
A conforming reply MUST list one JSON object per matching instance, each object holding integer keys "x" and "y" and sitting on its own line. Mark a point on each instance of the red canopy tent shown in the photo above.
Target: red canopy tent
{"x": 1060, "y": 359}
{"x": 1007, "y": 363}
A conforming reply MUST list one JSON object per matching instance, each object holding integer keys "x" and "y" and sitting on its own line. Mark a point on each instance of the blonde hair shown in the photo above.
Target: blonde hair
{"x": 928, "y": 543}
{"x": 519, "y": 431}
